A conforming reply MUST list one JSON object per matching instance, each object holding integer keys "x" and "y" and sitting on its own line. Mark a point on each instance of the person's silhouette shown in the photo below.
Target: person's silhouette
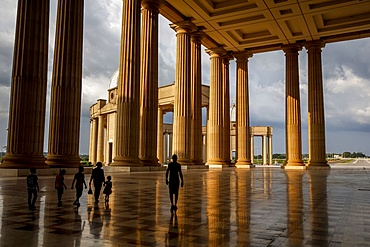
{"x": 174, "y": 172}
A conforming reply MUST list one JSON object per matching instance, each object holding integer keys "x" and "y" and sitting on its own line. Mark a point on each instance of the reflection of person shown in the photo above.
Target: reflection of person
{"x": 32, "y": 188}
{"x": 60, "y": 186}
{"x": 79, "y": 178}
{"x": 98, "y": 176}
{"x": 174, "y": 170}
{"x": 108, "y": 188}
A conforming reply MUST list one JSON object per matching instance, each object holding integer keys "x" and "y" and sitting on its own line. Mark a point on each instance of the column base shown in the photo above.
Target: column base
{"x": 244, "y": 166}
{"x": 21, "y": 161}
{"x": 63, "y": 161}
{"x": 294, "y": 167}
{"x": 149, "y": 161}
{"x": 185, "y": 162}
{"x": 322, "y": 166}
{"x": 126, "y": 161}
{"x": 198, "y": 162}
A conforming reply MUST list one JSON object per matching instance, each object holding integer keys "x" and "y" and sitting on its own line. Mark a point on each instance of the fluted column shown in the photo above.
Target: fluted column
{"x": 94, "y": 141}
{"x": 182, "y": 107}
{"x": 264, "y": 150}
{"x": 100, "y": 145}
{"x": 160, "y": 136}
{"x": 215, "y": 151}
{"x": 196, "y": 99}
{"x": 65, "y": 103}
{"x": 293, "y": 107}
{"x": 226, "y": 108}
{"x": 149, "y": 83}
{"x": 270, "y": 150}
{"x": 28, "y": 88}
{"x": 316, "y": 117}
{"x": 244, "y": 139}
{"x": 252, "y": 149}
{"x": 128, "y": 102}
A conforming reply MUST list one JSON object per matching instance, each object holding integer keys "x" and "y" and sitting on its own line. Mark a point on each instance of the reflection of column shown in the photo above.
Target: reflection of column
{"x": 100, "y": 146}
{"x": 264, "y": 150}
{"x": 270, "y": 150}
{"x": 295, "y": 207}
{"x": 196, "y": 100}
{"x": 28, "y": 90}
{"x": 182, "y": 95}
{"x": 160, "y": 136}
{"x": 244, "y": 144}
{"x": 128, "y": 105}
{"x": 243, "y": 206}
{"x": 252, "y": 149}
{"x": 316, "y": 117}
{"x": 65, "y": 103}
{"x": 94, "y": 140}
{"x": 149, "y": 83}
{"x": 226, "y": 108}
{"x": 215, "y": 152}
{"x": 293, "y": 108}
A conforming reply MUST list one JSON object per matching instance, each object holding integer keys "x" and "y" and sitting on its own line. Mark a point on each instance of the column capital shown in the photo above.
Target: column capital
{"x": 216, "y": 52}
{"x": 314, "y": 45}
{"x": 243, "y": 55}
{"x": 197, "y": 36}
{"x": 152, "y": 5}
{"x": 183, "y": 27}
{"x": 291, "y": 48}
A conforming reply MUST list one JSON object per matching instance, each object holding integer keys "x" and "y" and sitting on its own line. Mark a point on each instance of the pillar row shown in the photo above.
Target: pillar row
{"x": 226, "y": 108}
{"x": 160, "y": 137}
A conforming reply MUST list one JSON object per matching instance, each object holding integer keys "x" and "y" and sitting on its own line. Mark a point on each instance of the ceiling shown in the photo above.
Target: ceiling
{"x": 260, "y": 26}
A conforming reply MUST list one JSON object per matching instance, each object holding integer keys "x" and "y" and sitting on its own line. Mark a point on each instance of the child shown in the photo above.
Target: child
{"x": 32, "y": 188}
{"x": 60, "y": 186}
{"x": 79, "y": 178}
{"x": 108, "y": 188}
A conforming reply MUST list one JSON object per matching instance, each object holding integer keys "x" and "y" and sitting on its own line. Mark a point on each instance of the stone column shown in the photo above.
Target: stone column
{"x": 316, "y": 117}
{"x": 252, "y": 149}
{"x": 28, "y": 88}
{"x": 293, "y": 108}
{"x": 149, "y": 83}
{"x": 160, "y": 136}
{"x": 100, "y": 145}
{"x": 94, "y": 141}
{"x": 264, "y": 150}
{"x": 182, "y": 107}
{"x": 65, "y": 103}
{"x": 270, "y": 150}
{"x": 226, "y": 108}
{"x": 244, "y": 146}
{"x": 215, "y": 147}
{"x": 196, "y": 99}
{"x": 128, "y": 102}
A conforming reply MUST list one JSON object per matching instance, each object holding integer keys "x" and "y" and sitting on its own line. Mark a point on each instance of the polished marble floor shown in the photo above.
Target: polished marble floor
{"x": 229, "y": 207}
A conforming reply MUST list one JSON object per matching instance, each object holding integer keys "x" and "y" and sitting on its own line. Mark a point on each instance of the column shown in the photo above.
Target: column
{"x": 160, "y": 136}
{"x": 264, "y": 150}
{"x": 65, "y": 103}
{"x": 94, "y": 141}
{"x": 149, "y": 83}
{"x": 100, "y": 145}
{"x": 316, "y": 117}
{"x": 226, "y": 108}
{"x": 245, "y": 142}
{"x": 293, "y": 108}
{"x": 270, "y": 150}
{"x": 28, "y": 87}
{"x": 165, "y": 155}
{"x": 128, "y": 102}
{"x": 182, "y": 107}
{"x": 215, "y": 147}
{"x": 196, "y": 99}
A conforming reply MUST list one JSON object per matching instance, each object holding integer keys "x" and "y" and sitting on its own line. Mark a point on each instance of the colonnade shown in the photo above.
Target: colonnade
{"x": 137, "y": 105}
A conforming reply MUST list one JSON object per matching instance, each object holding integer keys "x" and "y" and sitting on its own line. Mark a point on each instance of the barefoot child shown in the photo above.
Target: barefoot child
{"x": 60, "y": 186}
{"x": 79, "y": 178}
{"x": 108, "y": 188}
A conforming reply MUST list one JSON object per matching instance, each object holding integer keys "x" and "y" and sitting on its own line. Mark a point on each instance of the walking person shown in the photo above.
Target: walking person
{"x": 79, "y": 178}
{"x": 107, "y": 188}
{"x": 32, "y": 188}
{"x": 174, "y": 172}
{"x": 60, "y": 185}
{"x": 97, "y": 176}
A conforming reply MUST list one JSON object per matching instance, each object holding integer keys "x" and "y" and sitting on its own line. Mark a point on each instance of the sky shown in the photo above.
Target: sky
{"x": 346, "y": 79}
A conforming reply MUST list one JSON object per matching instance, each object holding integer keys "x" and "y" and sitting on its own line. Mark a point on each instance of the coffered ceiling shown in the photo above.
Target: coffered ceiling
{"x": 260, "y": 26}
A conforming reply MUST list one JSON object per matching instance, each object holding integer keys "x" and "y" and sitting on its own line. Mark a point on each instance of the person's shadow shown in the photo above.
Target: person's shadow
{"x": 172, "y": 236}
{"x": 78, "y": 226}
{"x": 95, "y": 221}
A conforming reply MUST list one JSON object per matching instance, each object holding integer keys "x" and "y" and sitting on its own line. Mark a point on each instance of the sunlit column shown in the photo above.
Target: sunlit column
{"x": 65, "y": 103}
{"x": 316, "y": 117}
{"x": 293, "y": 107}
{"x": 94, "y": 141}
{"x": 182, "y": 107}
{"x": 226, "y": 108}
{"x": 264, "y": 150}
{"x": 244, "y": 144}
{"x": 100, "y": 145}
{"x": 252, "y": 149}
{"x": 196, "y": 99}
{"x": 128, "y": 103}
{"x": 270, "y": 150}
{"x": 149, "y": 83}
{"x": 160, "y": 136}
{"x": 215, "y": 152}
{"x": 28, "y": 87}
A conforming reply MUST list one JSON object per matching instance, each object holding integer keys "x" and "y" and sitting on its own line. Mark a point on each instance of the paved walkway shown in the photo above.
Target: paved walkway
{"x": 232, "y": 207}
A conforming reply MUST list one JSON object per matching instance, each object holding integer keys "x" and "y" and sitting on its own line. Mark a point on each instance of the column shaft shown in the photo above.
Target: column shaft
{"x": 128, "y": 102}
{"x": 196, "y": 100}
{"x": 226, "y": 109}
{"x": 244, "y": 140}
{"x": 293, "y": 107}
{"x": 94, "y": 141}
{"x": 252, "y": 149}
{"x": 100, "y": 145}
{"x": 28, "y": 88}
{"x": 264, "y": 150}
{"x": 160, "y": 137}
{"x": 149, "y": 84}
{"x": 316, "y": 117}
{"x": 182, "y": 107}
{"x": 270, "y": 150}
